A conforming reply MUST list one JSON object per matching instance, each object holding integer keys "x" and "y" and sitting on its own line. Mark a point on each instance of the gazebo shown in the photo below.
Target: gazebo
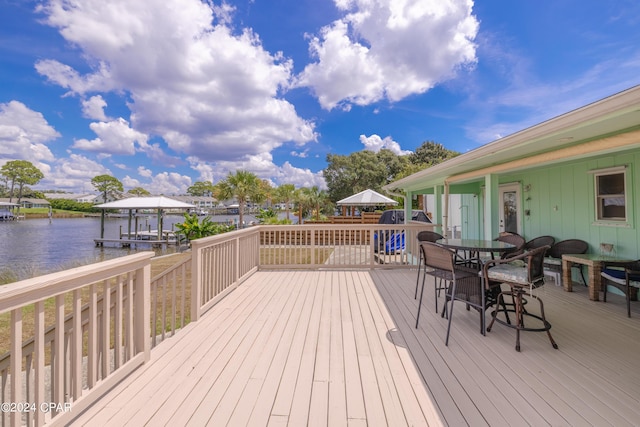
{"x": 365, "y": 198}
{"x": 158, "y": 203}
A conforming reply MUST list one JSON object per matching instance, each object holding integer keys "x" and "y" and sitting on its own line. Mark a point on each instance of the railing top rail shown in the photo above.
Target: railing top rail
{"x": 28, "y": 291}
{"x": 205, "y": 241}
{"x": 224, "y": 237}
{"x": 412, "y": 225}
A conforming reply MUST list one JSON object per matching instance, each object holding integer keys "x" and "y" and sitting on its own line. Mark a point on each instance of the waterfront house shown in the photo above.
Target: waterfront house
{"x": 77, "y": 197}
{"x": 27, "y": 202}
{"x": 573, "y": 176}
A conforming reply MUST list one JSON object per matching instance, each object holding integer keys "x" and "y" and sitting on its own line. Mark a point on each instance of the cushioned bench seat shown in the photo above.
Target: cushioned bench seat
{"x": 616, "y": 278}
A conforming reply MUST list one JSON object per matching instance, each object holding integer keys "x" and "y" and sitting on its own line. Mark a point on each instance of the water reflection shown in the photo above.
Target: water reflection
{"x": 38, "y": 246}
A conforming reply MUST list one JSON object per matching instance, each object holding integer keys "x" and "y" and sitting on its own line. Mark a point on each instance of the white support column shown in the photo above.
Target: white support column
{"x": 408, "y": 201}
{"x": 491, "y": 206}
{"x": 437, "y": 208}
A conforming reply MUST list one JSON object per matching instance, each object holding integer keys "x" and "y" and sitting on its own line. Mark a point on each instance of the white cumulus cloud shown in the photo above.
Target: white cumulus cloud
{"x": 375, "y": 143}
{"x": 93, "y": 108}
{"x": 73, "y": 173}
{"x": 24, "y": 134}
{"x": 114, "y": 137}
{"x": 389, "y": 49}
{"x": 185, "y": 71}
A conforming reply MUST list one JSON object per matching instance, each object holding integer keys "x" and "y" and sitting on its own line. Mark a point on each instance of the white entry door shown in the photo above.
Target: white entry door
{"x": 510, "y": 208}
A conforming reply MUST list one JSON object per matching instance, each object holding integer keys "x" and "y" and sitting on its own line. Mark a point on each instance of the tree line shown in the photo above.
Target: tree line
{"x": 345, "y": 175}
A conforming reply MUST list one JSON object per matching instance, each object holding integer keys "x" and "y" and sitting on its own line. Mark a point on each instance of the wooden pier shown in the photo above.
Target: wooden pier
{"x": 142, "y": 238}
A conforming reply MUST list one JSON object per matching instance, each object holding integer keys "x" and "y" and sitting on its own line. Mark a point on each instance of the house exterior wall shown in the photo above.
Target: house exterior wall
{"x": 562, "y": 204}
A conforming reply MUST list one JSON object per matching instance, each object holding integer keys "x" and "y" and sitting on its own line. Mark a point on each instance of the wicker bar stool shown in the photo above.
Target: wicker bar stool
{"x": 521, "y": 280}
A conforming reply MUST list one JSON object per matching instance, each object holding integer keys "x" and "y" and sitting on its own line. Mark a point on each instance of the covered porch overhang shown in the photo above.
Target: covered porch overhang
{"x": 608, "y": 126}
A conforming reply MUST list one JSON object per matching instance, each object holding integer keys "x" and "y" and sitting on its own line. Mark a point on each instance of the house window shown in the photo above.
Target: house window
{"x": 611, "y": 195}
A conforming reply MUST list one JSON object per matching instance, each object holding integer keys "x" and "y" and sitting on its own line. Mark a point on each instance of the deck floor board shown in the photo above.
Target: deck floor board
{"x": 340, "y": 348}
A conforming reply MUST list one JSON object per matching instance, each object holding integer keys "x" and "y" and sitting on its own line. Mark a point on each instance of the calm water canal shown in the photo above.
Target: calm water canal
{"x": 38, "y": 246}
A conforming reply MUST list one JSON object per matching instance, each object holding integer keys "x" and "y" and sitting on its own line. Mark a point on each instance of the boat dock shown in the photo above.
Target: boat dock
{"x": 149, "y": 237}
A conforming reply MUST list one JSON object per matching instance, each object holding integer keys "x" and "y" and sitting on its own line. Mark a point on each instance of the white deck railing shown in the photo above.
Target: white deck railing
{"x": 75, "y": 355}
{"x": 77, "y": 351}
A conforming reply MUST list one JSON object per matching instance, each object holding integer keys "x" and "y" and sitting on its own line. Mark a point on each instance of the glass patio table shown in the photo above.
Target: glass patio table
{"x": 474, "y": 247}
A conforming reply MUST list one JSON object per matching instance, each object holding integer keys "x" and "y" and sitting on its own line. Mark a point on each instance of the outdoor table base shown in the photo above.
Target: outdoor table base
{"x": 594, "y": 263}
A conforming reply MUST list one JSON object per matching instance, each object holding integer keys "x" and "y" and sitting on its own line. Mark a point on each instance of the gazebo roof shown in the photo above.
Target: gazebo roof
{"x": 159, "y": 202}
{"x": 367, "y": 198}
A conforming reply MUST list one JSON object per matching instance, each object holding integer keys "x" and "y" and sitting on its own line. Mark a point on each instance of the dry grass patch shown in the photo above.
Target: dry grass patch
{"x": 158, "y": 266}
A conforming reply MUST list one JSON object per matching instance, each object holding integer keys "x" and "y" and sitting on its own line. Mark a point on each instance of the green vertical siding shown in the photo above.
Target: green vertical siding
{"x": 562, "y": 203}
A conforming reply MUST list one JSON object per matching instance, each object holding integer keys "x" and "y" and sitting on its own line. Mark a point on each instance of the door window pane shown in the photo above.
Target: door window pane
{"x": 510, "y": 206}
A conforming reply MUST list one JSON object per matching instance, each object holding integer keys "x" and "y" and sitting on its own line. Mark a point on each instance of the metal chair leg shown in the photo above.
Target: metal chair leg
{"x": 418, "y": 278}
{"x": 424, "y": 276}
{"x": 450, "y": 312}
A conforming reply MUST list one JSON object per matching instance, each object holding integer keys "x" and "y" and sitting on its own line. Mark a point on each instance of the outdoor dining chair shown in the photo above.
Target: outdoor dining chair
{"x": 522, "y": 280}
{"x": 513, "y": 239}
{"x": 624, "y": 276}
{"x": 464, "y": 283}
{"x": 538, "y": 242}
{"x": 553, "y": 260}
{"x": 516, "y": 240}
{"x": 426, "y": 236}
{"x": 443, "y": 264}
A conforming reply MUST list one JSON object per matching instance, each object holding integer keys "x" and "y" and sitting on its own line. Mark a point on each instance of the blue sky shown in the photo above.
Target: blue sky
{"x": 164, "y": 93}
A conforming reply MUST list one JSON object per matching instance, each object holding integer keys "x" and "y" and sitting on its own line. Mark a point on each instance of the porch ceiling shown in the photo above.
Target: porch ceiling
{"x": 609, "y": 125}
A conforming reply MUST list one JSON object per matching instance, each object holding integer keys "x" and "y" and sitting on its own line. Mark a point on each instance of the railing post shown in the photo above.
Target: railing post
{"x": 236, "y": 275}
{"x": 196, "y": 280}
{"x": 16, "y": 364}
{"x": 142, "y": 303}
{"x": 313, "y": 247}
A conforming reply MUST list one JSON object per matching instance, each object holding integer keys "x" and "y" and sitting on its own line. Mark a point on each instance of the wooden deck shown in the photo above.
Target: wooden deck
{"x": 337, "y": 348}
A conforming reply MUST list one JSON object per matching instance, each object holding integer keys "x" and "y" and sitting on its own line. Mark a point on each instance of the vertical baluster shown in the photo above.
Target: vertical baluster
{"x": 129, "y": 324}
{"x": 57, "y": 364}
{"x": 117, "y": 324}
{"x": 174, "y": 302}
{"x": 68, "y": 357}
{"x": 163, "y": 311}
{"x": 208, "y": 289}
{"x": 16, "y": 362}
{"x": 76, "y": 361}
{"x": 28, "y": 396}
{"x": 92, "y": 340}
{"x": 184, "y": 294}
{"x": 154, "y": 314}
{"x": 38, "y": 351}
{"x": 106, "y": 328}
{"x": 4, "y": 395}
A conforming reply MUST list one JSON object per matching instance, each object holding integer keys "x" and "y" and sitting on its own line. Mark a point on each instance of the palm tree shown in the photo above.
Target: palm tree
{"x": 312, "y": 199}
{"x": 265, "y": 194}
{"x": 317, "y": 199}
{"x": 242, "y": 185}
{"x": 301, "y": 199}
{"x": 286, "y": 194}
